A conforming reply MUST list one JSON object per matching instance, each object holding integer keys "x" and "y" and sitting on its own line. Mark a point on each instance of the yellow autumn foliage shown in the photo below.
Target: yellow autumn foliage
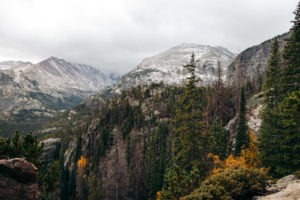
{"x": 158, "y": 195}
{"x": 248, "y": 158}
{"x": 82, "y": 162}
{"x": 251, "y": 154}
{"x": 235, "y": 162}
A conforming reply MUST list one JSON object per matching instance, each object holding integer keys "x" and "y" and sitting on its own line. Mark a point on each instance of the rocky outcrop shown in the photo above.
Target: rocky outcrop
{"x": 18, "y": 180}
{"x": 286, "y": 188}
{"x": 254, "y": 110}
{"x": 51, "y": 149}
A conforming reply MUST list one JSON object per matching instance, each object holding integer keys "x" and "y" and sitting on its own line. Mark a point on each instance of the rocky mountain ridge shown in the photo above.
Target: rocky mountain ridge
{"x": 36, "y": 92}
{"x": 58, "y": 75}
{"x": 253, "y": 62}
{"x": 167, "y": 66}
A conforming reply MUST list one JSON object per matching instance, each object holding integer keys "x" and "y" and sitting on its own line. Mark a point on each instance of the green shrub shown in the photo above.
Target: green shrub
{"x": 178, "y": 183}
{"x": 239, "y": 184}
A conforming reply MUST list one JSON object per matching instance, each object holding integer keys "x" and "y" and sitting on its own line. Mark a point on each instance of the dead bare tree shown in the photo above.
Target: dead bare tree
{"x": 220, "y": 99}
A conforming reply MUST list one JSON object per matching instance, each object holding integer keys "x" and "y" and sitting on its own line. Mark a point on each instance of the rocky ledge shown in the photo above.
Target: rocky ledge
{"x": 18, "y": 180}
{"x": 286, "y": 188}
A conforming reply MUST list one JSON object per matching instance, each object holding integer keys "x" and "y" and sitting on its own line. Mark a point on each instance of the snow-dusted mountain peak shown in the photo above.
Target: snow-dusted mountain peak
{"x": 167, "y": 66}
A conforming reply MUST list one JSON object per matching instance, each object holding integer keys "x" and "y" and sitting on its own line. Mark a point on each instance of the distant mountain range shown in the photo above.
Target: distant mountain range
{"x": 35, "y": 92}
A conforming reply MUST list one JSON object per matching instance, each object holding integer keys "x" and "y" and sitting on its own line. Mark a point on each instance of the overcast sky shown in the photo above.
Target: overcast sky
{"x": 117, "y": 34}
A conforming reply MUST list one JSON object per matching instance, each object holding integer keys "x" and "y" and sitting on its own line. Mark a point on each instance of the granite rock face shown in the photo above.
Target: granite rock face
{"x": 18, "y": 180}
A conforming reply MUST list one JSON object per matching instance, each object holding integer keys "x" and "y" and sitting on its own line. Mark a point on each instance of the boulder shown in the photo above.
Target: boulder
{"x": 286, "y": 188}
{"x": 18, "y": 180}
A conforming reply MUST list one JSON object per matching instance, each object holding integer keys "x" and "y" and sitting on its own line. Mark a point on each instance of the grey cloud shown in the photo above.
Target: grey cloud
{"x": 116, "y": 35}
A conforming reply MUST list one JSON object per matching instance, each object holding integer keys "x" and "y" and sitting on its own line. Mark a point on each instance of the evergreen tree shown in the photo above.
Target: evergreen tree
{"x": 157, "y": 159}
{"x": 270, "y": 86}
{"x": 48, "y": 182}
{"x": 279, "y": 139}
{"x": 178, "y": 183}
{"x": 242, "y": 137}
{"x": 16, "y": 146}
{"x": 289, "y": 149}
{"x": 270, "y": 132}
{"x": 78, "y": 148}
{"x": 189, "y": 124}
{"x": 291, "y": 55}
{"x": 95, "y": 192}
{"x": 26, "y": 146}
{"x": 31, "y": 149}
{"x": 218, "y": 138}
{"x": 279, "y": 147}
{"x": 270, "y": 138}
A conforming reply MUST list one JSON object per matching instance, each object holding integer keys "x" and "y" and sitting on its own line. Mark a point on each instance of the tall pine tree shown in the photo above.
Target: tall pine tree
{"x": 242, "y": 137}
{"x": 289, "y": 111}
{"x": 289, "y": 108}
{"x": 218, "y": 139}
{"x": 279, "y": 140}
{"x": 270, "y": 132}
{"x": 291, "y": 55}
{"x": 189, "y": 124}
{"x": 271, "y": 85}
